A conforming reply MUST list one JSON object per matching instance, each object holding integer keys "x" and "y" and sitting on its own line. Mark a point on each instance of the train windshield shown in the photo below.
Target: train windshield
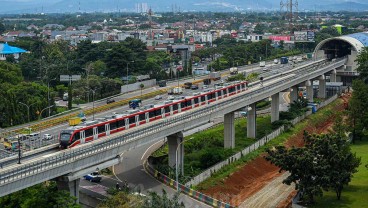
{"x": 65, "y": 136}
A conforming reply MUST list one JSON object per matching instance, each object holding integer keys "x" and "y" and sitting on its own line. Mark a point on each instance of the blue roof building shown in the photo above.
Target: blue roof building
{"x": 6, "y": 49}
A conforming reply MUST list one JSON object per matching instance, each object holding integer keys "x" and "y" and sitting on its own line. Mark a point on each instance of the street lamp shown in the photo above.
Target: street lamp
{"x": 127, "y": 80}
{"x": 176, "y": 159}
{"x": 48, "y": 94}
{"x": 93, "y": 103}
{"x": 19, "y": 151}
{"x": 28, "y": 106}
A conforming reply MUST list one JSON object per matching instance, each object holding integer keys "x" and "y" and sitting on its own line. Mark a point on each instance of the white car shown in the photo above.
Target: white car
{"x": 158, "y": 97}
{"x": 47, "y": 136}
{"x": 205, "y": 86}
{"x": 171, "y": 97}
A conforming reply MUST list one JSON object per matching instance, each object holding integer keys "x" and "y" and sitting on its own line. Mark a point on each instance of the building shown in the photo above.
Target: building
{"x": 343, "y": 46}
{"x": 6, "y": 50}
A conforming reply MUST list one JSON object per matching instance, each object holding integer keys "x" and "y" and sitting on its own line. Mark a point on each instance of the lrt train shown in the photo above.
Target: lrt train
{"x": 89, "y": 131}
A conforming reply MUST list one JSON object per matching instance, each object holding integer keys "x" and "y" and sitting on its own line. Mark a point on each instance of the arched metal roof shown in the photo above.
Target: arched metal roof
{"x": 362, "y": 37}
{"x": 357, "y": 40}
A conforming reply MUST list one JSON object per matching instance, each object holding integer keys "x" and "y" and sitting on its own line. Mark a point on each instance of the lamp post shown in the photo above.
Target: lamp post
{"x": 19, "y": 151}
{"x": 48, "y": 94}
{"x": 28, "y": 106}
{"x": 127, "y": 74}
{"x": 176, "y": 159}
{"x": 93, "y": 103}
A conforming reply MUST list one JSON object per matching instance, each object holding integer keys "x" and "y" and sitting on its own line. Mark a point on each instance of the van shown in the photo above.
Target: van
{"x": 33, "y": 136}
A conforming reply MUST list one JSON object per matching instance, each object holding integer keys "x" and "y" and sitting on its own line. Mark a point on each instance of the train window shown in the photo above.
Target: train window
{"x": 231, "y": 89}
{"x": 158, "y": 112}
{"x": 189, "y": 102}
{"x": 183, "y": 104}
{"x": 167, "y": 109}
{"x": 113, "y": 125}
{"x": 203, "y": 98}
{"x": 88, "y": 132}
{"x": 209, "y": 96}
{"x": 224, "y": 92}
{"x": 238, "y": 87}
{"x": 132, "y": 120}
{"x": 175, "y": 107}
{"x": 142, "y": 117}
{"x": 101, "y": 128}
{"x": 152, "y": 114}
{"x": 121, "y": 123}
{"x": 76, "y": 137}
{"x": 195, "y": 100}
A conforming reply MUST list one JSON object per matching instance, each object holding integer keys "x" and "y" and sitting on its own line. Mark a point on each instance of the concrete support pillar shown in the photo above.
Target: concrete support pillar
{"x": 71, "y": 186}
{"x": 275, "y": 107}
{"x": 251, "y": 121}
{"x": 294, "y": 94}
{"x": 174, "y": 141}
{"x": 229, "y": 130}
{"x": 309, "y": 87}
{"x": 333, "y": 76}
{"x": 322, "y": 87}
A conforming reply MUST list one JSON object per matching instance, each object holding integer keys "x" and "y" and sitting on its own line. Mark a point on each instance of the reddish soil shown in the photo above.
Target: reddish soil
{"x": 253, "y": 176}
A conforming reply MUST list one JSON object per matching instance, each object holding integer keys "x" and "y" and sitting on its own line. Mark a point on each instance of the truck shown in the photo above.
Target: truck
{"x": 206, "y": 81}
{"x": 188, "y": 85}
{"x": 215, "y": 76}
{"x": 275, "y": 61}
{"x": 233, "y": 70}
{"x": 284, "y": 60}
{"x": 161, "y": 83}
{"x": 262, "y": 63}
{"x": 74, "y": 121}
{"x": 177, "y": 90}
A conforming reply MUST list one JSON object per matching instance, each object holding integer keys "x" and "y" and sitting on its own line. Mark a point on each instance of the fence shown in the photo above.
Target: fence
{"x": 185, "y": 189}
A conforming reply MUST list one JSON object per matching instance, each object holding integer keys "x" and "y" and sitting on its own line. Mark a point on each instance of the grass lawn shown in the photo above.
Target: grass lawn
{"x": 207, "y": 147}
{"x": 356, "y": 194}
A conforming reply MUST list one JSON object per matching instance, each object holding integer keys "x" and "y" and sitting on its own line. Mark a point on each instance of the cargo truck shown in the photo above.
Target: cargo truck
{"x": 233, "y": 70}
{"x": 187, "y": 85}
{"x": 74, "y": 121}
{"x": 262, "y": 63}
{"x": 177, "y": 90}
{"x": 215, "y": 76}
{"x": 161, "y": 83}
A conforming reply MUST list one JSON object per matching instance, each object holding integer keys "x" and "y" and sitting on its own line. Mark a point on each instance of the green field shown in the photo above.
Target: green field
{"x": 356, "y": 193}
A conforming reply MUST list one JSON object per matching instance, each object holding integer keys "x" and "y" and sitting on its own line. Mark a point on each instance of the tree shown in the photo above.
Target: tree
{"x": 42, "y": 195}
{"x": 325, "y": 162}
{"x": 122, "y": 199}
{"x": 358, "y": 108}
{"x": 2, "y": 28}
{"x": 155, "y": 200}
{"x": 363, "y": 64}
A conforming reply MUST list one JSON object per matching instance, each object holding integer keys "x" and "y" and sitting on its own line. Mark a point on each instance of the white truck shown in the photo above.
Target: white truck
{"x": 262, "y": 63}
{"x": 233, "y": 70}
{"x": 177, "y": 90}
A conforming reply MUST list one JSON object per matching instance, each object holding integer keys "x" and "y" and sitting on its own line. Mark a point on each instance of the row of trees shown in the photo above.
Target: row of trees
{"x": 13, "y": 91}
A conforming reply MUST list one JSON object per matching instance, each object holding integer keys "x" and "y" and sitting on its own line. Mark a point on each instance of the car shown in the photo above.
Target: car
{"x": 205, "y": 86}
{"x": 171, "y": 97}
{"x": 110, "y": 100}
{"x": 47, "y": 136}
{"x": 194, "y": 87}
{"x": 158, "y": 97}
{"x": 93, "y": 177}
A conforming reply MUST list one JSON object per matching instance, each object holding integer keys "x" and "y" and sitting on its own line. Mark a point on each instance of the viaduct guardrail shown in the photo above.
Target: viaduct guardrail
{"x": 32, "y": 172}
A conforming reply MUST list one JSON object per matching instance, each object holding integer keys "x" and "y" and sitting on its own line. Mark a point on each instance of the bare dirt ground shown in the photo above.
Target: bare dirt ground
{"x": 259, "y": 183}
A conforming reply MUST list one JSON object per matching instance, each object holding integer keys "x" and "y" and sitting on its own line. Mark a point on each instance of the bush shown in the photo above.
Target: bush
{"x": 279, "y": 123}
